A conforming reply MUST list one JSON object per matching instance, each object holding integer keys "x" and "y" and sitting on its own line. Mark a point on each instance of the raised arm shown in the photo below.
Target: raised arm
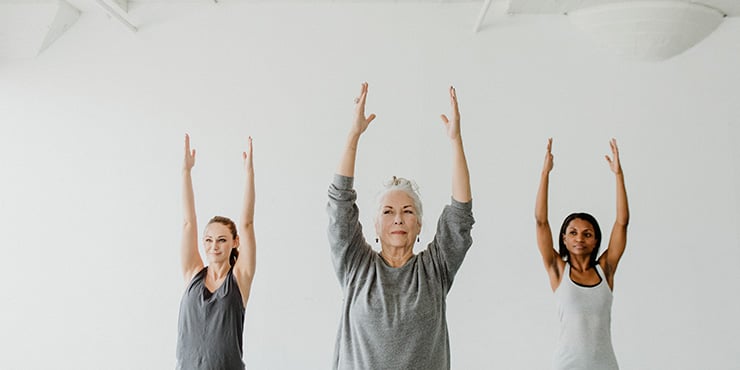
{"x": 190, "y": 258}
{"x": 347, "y": 161}
{"x": 246, "y": 262}
{"x": 460, "y": 175}
{"x": 618, "y": 238}
{"x": 550, "y": 258}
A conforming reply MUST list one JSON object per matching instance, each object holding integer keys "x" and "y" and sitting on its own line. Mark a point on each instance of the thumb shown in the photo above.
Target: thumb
{"x": 444, "y": 118}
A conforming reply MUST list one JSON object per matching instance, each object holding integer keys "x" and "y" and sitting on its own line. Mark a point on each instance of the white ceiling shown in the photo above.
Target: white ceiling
{"x": 27, "y": 23}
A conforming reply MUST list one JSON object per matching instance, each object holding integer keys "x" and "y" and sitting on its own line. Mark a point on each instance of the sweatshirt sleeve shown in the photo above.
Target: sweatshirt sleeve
{"x": 452, "y": 239}
{"x": 346, "y": 240}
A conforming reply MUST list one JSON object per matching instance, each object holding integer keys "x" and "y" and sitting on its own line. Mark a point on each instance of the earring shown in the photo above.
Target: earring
{"x": 417, "y": 239}
{"x": 376, "y": 240}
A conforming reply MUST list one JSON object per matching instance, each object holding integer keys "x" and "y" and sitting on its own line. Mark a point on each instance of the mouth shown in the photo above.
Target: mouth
{"x": 398, "y": 232}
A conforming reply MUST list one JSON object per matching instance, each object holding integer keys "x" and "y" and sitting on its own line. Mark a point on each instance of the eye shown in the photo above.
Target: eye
{"x": 588, "y": 235}
{"x": 387, "y": 211}
{"x": 409, "y": 211}
{"x": 572, "y": 232}
{"x": 221, "y": 240}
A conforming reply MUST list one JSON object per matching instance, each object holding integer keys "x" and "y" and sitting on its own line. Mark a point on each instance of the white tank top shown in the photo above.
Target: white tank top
{"x": 585, "y": 325}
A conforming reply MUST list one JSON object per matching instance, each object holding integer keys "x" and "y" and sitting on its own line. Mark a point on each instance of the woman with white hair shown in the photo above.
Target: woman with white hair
{"x": 394, "y": 309}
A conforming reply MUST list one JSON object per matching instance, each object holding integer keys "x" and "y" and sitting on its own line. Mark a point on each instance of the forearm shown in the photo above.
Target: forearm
{"x": 188, "y": 199}
{"x": 460, "y": 174}
{"x": 623, "y": 213}
{"x": 347, "y": 161}
{"x": 540, "y": 208}
{"x": 247, "y": 215}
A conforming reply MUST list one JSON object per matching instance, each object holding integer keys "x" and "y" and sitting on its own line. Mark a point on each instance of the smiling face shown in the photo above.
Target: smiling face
{"x": 580, "y": 237}
{"x": 398, "y": 224}
{"x": 218, "y": 242}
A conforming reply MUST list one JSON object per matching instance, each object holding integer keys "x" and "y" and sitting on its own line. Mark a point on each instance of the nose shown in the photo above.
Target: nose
{"x": 398, "y": 220}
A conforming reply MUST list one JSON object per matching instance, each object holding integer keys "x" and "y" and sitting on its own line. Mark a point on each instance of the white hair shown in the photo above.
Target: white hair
{"x": 407, "y": 186}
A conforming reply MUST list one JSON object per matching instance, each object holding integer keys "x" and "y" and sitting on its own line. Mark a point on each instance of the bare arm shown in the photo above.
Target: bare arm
{"x": 190, "y": 258}
{"x": 460, "y": 174}
{"x": 618, "y": 238}
{"x": 550, "y": 258}
{"x": 361, "y": 122}
{"x": 246, "y": 263}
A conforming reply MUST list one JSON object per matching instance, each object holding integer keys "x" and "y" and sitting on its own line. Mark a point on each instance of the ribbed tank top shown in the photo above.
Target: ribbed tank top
{"x": 210, "y": 326}
{"x": 585, "y": 325}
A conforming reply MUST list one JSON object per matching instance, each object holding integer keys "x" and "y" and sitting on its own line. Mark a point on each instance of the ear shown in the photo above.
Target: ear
{"x": 236, "y": 242}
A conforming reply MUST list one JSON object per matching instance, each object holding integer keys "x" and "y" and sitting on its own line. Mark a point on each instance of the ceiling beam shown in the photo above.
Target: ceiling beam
{"x": 482, "y": 15}
{"x": 117, "y": 14}
{"x": 66, "y": 15}
{"x": 29, "y": 28}
{"x": 500, "y": 9}
{"x": 121, "y": 4}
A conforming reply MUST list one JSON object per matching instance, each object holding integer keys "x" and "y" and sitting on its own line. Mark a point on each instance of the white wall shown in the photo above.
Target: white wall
{"x": 90, "y": 157}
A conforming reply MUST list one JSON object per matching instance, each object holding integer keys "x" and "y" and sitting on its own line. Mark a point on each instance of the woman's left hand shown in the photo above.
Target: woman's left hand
{"x": 452, "y": 124}
{"x": 614, "y": 160}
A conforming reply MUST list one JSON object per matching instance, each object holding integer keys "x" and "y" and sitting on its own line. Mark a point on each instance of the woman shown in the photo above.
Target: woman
{"x": 394, "y": 310}
{"x": 212, "y": 308}
{"x": 583, "y": 281}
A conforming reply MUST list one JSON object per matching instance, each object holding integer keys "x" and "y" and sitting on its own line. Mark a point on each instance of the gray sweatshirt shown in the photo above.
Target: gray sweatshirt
{"x": 393, "y": 318}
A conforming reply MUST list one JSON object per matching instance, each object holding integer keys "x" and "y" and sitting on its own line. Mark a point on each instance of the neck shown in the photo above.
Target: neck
{"x": 580, "y": 263}
{"x": 398, "y": 256}
{"x": 218, "y": 270}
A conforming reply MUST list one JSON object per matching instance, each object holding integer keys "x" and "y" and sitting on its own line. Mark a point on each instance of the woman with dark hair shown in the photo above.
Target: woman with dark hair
{"x": 394, "y": 307}
{"x": 211, "y": 318}
{"x": 581, "y": 279}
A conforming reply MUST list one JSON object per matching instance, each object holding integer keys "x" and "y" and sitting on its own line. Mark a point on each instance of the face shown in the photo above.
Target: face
{"x": 579, "y": 237}
{"x": 218, "y": 242}
{"x": 397, "y": 224}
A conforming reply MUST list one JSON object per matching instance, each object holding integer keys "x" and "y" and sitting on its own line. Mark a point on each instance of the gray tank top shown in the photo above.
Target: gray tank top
{"x": 210, "y": 326}
{"x": 585, "y": 341}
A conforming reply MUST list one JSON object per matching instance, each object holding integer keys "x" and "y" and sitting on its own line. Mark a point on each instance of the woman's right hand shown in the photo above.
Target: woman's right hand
{"x": 361, "y": 121}
{"x": 189, "y": 160}
{"x": 547, "y": 166}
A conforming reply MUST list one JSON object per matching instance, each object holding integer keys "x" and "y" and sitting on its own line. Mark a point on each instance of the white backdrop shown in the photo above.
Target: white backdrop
{"x": 90, "y": 158}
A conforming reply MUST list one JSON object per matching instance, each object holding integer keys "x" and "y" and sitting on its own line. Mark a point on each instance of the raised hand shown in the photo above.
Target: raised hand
{"x": 361, "y": 121}
{"x": 452, "y": 124}
{"x": 247, "y": 156}
{"x": 189, "y": 160}
{"x": 547, "y": 166}
{"x": 614, "y": 160}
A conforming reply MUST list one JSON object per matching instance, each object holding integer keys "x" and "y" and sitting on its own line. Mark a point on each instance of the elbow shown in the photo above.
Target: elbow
{"x": 541, "y": 223}
{"x": 247, "y": 224}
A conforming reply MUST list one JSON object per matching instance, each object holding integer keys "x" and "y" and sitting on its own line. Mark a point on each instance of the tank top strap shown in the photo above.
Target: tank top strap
{"x": 600, "y": 271}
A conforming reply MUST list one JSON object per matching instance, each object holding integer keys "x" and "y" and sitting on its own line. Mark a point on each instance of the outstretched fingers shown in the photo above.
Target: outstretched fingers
{"x": 614, "y": 159}
{"x": 189, "y": 154}
{"x": 362, "y": 121}
{"x": 452, "y": 123}
{"x": 547, "y": 167}
{"x": 453, "y": 101}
